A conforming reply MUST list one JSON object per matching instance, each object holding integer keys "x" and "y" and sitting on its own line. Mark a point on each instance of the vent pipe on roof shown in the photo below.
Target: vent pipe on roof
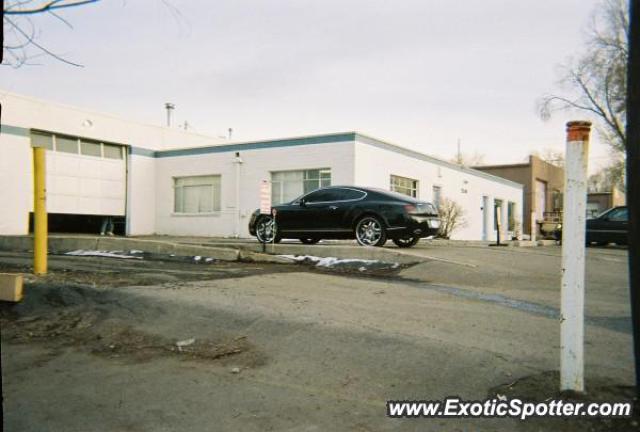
{"x": 169, "y": 107}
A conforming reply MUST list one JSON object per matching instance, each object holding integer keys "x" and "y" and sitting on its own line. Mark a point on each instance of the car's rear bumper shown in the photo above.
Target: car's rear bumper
{"x": 421, "y": 226}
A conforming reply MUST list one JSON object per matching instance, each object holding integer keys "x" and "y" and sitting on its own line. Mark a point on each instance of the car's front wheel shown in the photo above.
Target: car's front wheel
{"x": 370, "y": 232}
{"x": 406, "y": 242}
{"x": 266, "y": 230}
{"x": 309, "y": 240}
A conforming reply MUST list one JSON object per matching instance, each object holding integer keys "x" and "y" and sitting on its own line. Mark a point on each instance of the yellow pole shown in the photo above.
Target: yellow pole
{"x": 39, "y": 211}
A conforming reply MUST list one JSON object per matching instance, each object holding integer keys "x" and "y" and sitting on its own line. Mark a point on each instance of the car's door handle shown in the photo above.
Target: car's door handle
{"x": 333, "y": 208}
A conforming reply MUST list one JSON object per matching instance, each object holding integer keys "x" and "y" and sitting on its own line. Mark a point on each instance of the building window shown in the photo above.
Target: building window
{"x": 289, "y": 185}
{"x": 90, "y": 148}
{"x": 436, "y": 196}
{"x": 66, "y": 144}
{"x": 75, "y": 145}
{"x": 511, "y": 216}
{"x": 200, "y": 194}
{"x": 42, "y": 139}
{"x": 404, "y": 185}
{"x": 112, "y": 151}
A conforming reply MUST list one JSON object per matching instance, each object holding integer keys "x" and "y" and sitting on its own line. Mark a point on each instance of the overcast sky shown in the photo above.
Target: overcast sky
{"x": 419, "y": 73}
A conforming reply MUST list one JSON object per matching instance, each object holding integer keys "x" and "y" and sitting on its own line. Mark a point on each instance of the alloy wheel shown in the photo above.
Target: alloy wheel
{"x": 370, "y": 232}
{"x": 265, "y": 230}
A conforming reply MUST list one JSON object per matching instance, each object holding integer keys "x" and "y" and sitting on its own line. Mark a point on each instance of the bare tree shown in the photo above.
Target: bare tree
{"x": 466, "y": 159}
{"x": 554, "y": 157}
{"x": 596, "y": 81}
{"x": 608, "y": 178}
{"x": 451, "y": 217}
{"x": 21, "y": 45}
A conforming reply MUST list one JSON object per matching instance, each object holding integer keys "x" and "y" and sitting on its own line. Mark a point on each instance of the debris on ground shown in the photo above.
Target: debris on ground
{"x": 99, "y": 253}
{"x": 185, "y": 343}
{"x": 545, "y": 386}
{"x": 98, "y": 322}
{"x": 345, "y": 264}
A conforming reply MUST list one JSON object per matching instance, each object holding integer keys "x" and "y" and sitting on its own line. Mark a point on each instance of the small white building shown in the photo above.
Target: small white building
{"x": 162, "y": 180}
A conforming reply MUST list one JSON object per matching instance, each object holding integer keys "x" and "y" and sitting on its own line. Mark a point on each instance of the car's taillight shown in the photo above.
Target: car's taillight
{"x": 410, "y": 208}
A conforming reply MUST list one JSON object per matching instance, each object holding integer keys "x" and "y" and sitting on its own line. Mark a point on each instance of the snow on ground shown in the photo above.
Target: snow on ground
{"x": 109, "y": 254}
{"x": 333, "y": 262}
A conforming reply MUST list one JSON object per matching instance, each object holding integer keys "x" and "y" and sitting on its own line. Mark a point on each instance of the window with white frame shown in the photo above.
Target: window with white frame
{"x": 289, "y": 185}
{"x": 75, "y": 145}
{"x": 436, "y": 196}
{"x": 404, "y": 185}
{"x": 198, "y": 194}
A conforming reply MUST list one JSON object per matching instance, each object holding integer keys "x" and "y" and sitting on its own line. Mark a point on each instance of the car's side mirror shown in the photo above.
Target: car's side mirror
{"x": 303, "y": 202}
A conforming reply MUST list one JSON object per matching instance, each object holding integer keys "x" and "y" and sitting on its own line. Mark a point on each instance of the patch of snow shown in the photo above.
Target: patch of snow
{"x": 333, "y": 261}
{"x": 135, "y": 251}
{"x": 197, "y": 258}
{"x": 108, "y": 254}
{"x": 184, "y": 343}
{"x": 208, "y": 260}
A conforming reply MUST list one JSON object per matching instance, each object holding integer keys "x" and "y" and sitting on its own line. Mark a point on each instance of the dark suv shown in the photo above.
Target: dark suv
{"x": 612, "y": 226}
{"x": 371, "y": 216}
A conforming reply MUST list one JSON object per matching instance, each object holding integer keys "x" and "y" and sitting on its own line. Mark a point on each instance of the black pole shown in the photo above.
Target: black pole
{"x": 633, "y": 175}
{"x": 498, "y": 224}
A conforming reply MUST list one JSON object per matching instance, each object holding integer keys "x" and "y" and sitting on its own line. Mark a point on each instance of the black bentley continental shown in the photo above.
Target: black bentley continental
{"x": 369, "y": 215}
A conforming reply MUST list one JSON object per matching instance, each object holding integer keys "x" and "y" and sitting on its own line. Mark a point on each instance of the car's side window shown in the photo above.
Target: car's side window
{"x": 313, "y": 196}
{"x": 320, "y": 196}
{"x": 619, "y": 215}
{"x": 331, "y": 195}
{"x": 351, "y": 194}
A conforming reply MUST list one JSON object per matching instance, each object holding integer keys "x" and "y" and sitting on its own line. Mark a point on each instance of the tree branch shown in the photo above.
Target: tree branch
{"x": 49, "y": 6}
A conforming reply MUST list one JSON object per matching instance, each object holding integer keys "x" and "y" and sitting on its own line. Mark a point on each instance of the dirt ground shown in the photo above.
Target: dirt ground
{"x": 151, "y": 345}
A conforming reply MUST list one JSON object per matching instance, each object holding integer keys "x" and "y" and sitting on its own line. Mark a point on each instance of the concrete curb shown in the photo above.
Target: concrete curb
{"x": 330, "y": 250}
{"x": 62, "y": 244}
{"x": 479, "y": 243}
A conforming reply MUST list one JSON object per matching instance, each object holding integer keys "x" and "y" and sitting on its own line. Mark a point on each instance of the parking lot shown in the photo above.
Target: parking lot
{"x": 151, "y": 345}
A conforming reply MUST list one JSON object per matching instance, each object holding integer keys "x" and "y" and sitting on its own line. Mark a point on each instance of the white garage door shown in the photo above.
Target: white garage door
{"x": 83, "y": 176}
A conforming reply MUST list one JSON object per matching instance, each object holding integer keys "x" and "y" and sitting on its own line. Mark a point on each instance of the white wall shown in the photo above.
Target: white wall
{"x": 16, "y": 167}
{"x": 374, "y": 167}
{"x": 141, "y": 195}
{"x": 257, "y": 165}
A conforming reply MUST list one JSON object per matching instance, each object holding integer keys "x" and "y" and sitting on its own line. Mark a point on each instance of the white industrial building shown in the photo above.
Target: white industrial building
{"x": 163, "y": 180}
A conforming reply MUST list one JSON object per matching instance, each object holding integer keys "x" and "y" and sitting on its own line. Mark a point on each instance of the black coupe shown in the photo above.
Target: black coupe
{"x": 612, "y": 226}
{"x": 371, "y": 216}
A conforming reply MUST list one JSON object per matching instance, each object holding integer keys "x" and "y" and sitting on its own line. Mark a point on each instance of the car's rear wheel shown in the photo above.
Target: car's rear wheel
{"x": 309, "y": 240}
{"x": 370, "y": 231}
{"x": 406, "y": 242}
{"x": 266, "y": 230}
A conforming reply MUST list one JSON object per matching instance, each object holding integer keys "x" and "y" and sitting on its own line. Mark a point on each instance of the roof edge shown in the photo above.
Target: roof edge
{"x": 413, "y": 153}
